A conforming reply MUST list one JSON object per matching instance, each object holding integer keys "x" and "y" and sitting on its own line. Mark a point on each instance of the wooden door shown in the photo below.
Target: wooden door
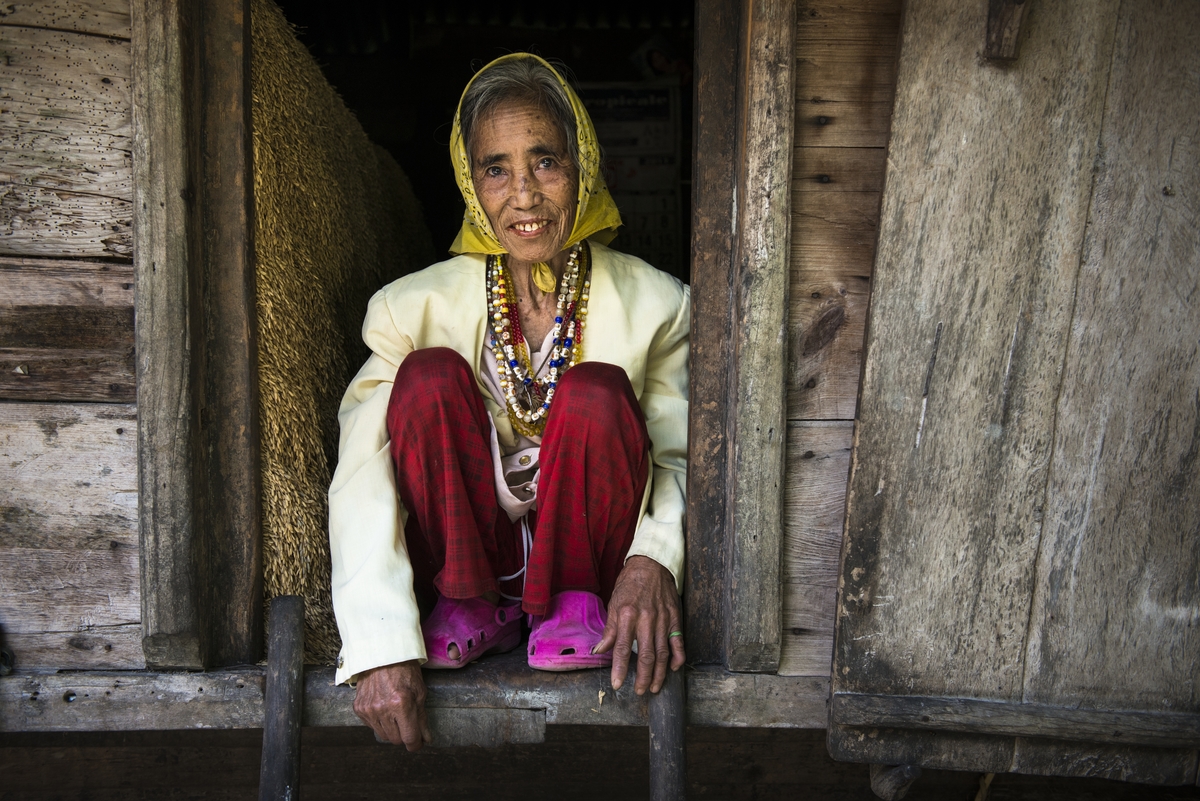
{"x": 1020, "y": 579}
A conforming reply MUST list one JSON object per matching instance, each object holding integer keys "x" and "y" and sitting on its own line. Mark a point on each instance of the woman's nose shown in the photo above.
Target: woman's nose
{"x": 528, "y": 190}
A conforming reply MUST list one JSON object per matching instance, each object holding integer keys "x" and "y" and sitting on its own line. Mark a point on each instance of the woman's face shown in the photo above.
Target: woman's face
{"x": 525, "y": 180}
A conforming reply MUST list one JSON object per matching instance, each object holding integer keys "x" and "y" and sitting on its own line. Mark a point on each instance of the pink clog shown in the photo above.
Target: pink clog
{"x": 563, "y": 638}
{"x": 474, "y": 625}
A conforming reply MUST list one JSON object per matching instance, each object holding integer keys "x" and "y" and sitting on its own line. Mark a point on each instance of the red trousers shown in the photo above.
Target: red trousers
{"x": 594, "y": 465}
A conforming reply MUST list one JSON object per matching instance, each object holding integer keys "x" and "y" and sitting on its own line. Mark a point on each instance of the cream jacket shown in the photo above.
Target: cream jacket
{"x": 638, "y": 319}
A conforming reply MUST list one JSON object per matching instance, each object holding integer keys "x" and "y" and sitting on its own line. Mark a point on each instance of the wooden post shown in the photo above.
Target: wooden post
{"x": 279, "y": 775}
{"x": 740, "y": 251}
{"x": 668, "y": 736}
{"x": 198, "y": 450}
{"x": 758, "y": 424}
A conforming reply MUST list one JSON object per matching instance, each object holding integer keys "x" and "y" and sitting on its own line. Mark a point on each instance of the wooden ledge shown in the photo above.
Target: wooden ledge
{"x": 497, "y": 700}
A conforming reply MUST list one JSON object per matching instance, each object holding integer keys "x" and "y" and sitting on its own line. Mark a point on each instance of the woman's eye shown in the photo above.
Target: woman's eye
{"x": 546, "y": 163}
{"x": 494, "y": 172}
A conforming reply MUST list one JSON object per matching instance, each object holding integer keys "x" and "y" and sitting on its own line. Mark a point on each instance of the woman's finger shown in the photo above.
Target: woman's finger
{"x": 662, "y": 653}
{"x": 645, "y": 638}
{"x": 623, "y": 645}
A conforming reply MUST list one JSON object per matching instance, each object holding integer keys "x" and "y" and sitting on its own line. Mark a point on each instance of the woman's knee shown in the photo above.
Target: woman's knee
{"x": 432, "y": 370}
{"x": 598, "y": 385}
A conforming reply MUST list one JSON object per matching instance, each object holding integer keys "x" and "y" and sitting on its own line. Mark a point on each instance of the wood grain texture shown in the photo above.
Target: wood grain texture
{"x": 1162, "y": 729}
{"x": 758, "y": 426}
{"x": 66, "y": 180}
{"x": 827, "y": 328}
{"x": 66, "y": 333}
{"x": 828, "y": 123}
{"x": 231, "y": 508}
{"x": 69, "y": 550}
{"x": 837, "y": 169}
{"x": 835, "y": 232}
{"x": 1003, "y": 40}
{"x": 283, "y": 699}
{"x": 814, "y": 507}
{"x": 711, "y": 349}
{"x": 839, "y": 71}
{"x": 167, "y": 311}
{"x": 98, "y": 17}
{"x": 1116, "y": 617}
{"x": 970, "y": 312}
{"x": 122, "y": 701}
{"x": 821, "y": 21}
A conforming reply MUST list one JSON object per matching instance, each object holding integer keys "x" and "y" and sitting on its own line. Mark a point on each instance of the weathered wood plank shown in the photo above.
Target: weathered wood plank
{"x": 1003, "y": 38}
{"x": 827, "y": 325}
{"x": 807, "y": 630}
{"x": 68, "y": 520}
{"x": 846, "y": 72}
{"x": 970, "y": 312}
{"x": 115, "y": 647}
{"x": 66, "y": 180}
{"x": 1124, "y": 763}
{"x": 71, "y": 375}
{"x": 231, "y": 512}
{"x": 98, "y": 17}
{"x": 167, "y": 308}
{"x": 711, "y": 348}
{"x": 838, "y": 169}
{"x": 44, "y": 282}
{"x": 835, "y": 232}
{"x": 825, "y": 123}
{"x": 1162, "y": 729}
{"x": 820, "y": 21}
{"x": 818, "y": 465}
{"x": 971, "y": 307}
{"x": 1116, "y": 617}
{"x": 814, "y": 506}
{"x": 761, "y": 288}
{"x": 120, "y": 701}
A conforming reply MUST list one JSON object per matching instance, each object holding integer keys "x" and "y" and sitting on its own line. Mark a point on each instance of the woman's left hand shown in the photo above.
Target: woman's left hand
{"x": 644, "y": 607}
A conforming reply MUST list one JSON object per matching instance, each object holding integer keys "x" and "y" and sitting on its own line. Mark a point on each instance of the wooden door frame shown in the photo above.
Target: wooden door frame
{"x": 199, "y": 488}
{"x": 741, "y": 216}
{"x": 198, "y": 450}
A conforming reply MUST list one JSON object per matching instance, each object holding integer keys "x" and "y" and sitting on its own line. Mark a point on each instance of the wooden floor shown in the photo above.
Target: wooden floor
{"x": 575, "y": 762}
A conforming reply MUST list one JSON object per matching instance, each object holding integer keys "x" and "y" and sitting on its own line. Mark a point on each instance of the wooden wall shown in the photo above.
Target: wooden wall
{"x": 69, "y": 595}
{"x": 845, "y": 81}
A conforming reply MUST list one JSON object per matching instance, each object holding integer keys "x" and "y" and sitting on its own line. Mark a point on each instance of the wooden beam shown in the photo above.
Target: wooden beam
{"x": 168, "y": 317}
{"x": 668, "y": 729}
{"x": 711, "y": 352}
{"x": 1159, "y": 729}
{"x": 233, "y": 699}
{"x": 757, "y": 424}
{"x": 197, "y": 370}
{"x": 228, "y": 394}
{"x": 283, "y": 697}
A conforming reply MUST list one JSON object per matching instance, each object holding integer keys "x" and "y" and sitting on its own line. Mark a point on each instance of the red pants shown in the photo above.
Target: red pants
{"x": 594, "y": 461}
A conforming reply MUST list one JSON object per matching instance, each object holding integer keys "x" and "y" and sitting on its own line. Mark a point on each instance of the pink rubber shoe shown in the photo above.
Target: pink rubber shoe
{"x": 475, "y": 625}
{"x": 563, "y": 638}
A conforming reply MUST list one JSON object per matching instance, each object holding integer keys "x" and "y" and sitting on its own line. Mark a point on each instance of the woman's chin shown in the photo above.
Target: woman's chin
{"x": 524, "y": 250}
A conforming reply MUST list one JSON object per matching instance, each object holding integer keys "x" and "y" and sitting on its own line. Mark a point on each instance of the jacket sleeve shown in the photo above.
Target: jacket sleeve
{"x": 665, "y": 404}
{"x": 373, "y": 598}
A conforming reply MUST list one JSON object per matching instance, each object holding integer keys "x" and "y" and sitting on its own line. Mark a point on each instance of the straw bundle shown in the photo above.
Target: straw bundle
{"x": 335, "y": 219}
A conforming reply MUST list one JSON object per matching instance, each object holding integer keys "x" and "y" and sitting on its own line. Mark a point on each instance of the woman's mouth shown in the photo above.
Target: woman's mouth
{"x": 530, "y": 227}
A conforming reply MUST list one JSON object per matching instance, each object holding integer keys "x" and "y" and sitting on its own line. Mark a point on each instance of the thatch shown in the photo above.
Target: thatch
{"x": 335, "y": 219}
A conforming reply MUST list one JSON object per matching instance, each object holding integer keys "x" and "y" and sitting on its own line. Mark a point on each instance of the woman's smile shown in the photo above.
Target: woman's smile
{"x": 525, "y": 181}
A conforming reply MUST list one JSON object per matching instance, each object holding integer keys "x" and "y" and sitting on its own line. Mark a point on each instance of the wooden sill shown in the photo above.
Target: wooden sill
{"x": 499, "y": 699}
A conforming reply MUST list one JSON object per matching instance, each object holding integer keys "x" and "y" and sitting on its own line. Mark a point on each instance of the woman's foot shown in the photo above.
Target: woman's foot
{"x": 564, "y": 637}
{"x": 460, "y": 631}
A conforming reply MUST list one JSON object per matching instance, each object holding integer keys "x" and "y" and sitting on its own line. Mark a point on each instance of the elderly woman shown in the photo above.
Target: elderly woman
{"x": 515, "y": 448}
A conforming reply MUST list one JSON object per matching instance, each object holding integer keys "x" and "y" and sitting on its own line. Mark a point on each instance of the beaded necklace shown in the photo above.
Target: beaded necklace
{"x": 528, "y": 397}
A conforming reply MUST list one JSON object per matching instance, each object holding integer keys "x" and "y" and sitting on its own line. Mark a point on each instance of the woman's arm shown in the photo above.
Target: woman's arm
{"x": 373, "y": 597}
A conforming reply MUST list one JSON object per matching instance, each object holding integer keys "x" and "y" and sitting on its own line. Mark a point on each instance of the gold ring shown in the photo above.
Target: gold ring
{"x": 675, "y": 634}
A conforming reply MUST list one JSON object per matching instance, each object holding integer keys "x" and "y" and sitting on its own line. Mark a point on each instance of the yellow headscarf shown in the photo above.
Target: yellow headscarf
{"x": 596, "y": 215}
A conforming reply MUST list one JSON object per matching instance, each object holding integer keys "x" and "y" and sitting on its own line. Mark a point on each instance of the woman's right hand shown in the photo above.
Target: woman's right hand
{"x": 391, "y": 700}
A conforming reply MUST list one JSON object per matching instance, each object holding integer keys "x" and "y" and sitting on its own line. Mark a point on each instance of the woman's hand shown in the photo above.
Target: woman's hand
{"x": 391, "y": 700}
{"x": 644, "y": 607}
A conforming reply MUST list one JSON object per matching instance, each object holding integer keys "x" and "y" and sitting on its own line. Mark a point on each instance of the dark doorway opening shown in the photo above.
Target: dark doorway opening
{"x": 401, "y": 67}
